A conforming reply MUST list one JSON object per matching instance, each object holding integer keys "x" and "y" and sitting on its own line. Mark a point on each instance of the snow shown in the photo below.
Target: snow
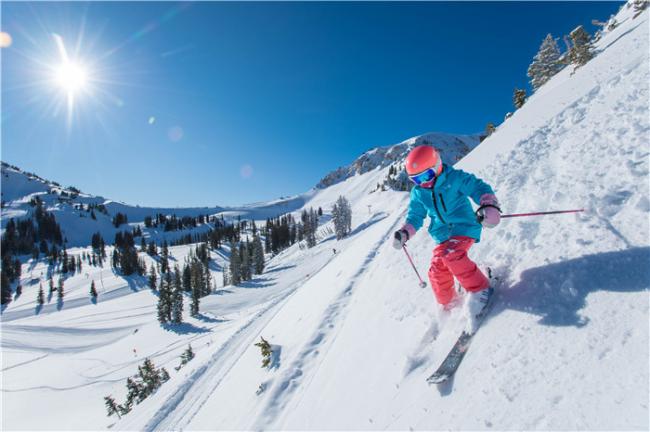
{"x": 566, "y": 345}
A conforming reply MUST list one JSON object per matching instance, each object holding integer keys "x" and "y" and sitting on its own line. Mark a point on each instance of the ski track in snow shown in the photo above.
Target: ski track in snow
{"x": 334, "y": 315}
{"x": 181, "y": 407}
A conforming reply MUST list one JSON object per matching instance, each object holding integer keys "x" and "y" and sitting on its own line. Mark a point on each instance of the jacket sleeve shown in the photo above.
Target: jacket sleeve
{"x": 417, "y": 212}
{"x": 473, "y": 186}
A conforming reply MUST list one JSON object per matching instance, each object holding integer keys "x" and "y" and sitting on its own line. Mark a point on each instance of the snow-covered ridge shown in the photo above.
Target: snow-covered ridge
{"x": 71, "y": 208}
{"x": 20, "y": 187}
{"x": 452, "y": 148}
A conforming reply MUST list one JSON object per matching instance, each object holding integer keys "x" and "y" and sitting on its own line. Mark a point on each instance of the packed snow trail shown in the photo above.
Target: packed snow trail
{"x": 301, "y": 370}
{"x": 189, "y": 398}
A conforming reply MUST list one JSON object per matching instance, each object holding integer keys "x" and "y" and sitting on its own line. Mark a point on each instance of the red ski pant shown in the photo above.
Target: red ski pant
{"x": 450, "y": 259}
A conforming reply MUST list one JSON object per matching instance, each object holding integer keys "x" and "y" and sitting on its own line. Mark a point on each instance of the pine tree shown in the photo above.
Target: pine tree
{"x": 150, "y": 377}
{"x": 93, "y": 291}
{"x": 310, "y": 226}
{"x": 235, "y": 265}
{"x": 51, "y": 284}
{"x": 258, "y": 254}
{"x": 135, "y": 393}
{"x": 545, "y": 64}
{"x": 342, "y": 217}
{"x": 187, "y": 278}
{"x": 64, "y": 262}
{"x": 245, "y": 262}
{"x": 115, "y": 259}
{"x": 164, "y": 300}
{"x": 489, "y": 129}
{"x": 266, "y": 350}
{"x": 153, "y": 280}
{"x": 177, "y": 298}
{"x": 197, "y": 286}
{"x": 186, "y": 357}
{"x": 519, "y": 98}
{"x": 111, "y": 406}
{"x": 196, "y": 298}
{"x": 164, "y": 375}
{"x": 152, "y": 249}
{"x": 6, "y": 288}
{"x": 582, "y": 49}
{"x": 164, "y": 258}
{"x": 40, "y": 297}
{"x": 207, "y": 281}
{"x": 17, "y": 268}
{"x": 60, "y": 293}
{"x": 226, "y": 279}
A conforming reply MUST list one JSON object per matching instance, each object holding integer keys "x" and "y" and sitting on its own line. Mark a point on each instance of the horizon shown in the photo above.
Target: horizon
{"x": 234, "y": 103}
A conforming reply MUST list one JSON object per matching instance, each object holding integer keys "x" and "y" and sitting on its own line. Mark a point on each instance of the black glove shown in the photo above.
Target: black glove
{"x": 400, "y": 238}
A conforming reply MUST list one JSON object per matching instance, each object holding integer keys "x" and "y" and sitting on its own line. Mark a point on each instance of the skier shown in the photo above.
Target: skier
{"x": 441, "y": 192}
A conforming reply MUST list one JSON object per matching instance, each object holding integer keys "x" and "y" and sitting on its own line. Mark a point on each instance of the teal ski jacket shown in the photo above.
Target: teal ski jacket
{"x": 447, "y": 205}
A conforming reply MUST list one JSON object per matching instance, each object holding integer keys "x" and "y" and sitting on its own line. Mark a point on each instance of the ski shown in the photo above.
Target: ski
{"x": 450, "y": 364}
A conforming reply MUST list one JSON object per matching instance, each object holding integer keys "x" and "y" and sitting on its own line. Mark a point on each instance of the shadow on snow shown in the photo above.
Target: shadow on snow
{"x": 184, "y": 328}
{"x": 557, "y": 292}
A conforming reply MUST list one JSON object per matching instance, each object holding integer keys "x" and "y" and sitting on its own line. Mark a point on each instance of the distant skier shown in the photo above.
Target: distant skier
{"x": 442, "y": 193}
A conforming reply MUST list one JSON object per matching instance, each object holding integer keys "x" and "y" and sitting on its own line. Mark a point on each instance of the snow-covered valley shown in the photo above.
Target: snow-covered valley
{"x": 566, "y": 346}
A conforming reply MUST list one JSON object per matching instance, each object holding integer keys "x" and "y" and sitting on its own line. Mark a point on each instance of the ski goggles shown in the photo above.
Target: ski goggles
{"x": 424, "y": 176}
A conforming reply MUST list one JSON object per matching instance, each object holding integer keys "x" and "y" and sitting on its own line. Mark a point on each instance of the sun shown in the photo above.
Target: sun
{"x": 71, "y": 77}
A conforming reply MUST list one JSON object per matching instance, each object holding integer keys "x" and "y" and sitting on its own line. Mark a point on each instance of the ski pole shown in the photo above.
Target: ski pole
{"x": 423, "y": 284}
{"x": 479, "y": 218}
{"x": 541, "y": 213}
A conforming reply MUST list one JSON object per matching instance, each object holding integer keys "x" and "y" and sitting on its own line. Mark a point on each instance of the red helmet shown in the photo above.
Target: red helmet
{"x": 422, "y": 158}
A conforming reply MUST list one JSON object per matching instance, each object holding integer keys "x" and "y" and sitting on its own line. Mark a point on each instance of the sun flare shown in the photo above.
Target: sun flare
{"x": 71, "y": 77}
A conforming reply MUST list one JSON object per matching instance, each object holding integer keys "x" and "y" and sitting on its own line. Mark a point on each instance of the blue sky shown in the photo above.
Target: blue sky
{"x": 230, "y": 103}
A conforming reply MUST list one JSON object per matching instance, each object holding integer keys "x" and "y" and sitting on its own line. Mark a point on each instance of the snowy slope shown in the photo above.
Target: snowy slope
{"x": 566, "y": 346}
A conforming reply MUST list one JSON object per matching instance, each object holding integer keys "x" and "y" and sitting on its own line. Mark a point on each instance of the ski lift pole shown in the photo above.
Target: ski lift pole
{"x": 541, "y": 213}
{"x": 423, "y": 284}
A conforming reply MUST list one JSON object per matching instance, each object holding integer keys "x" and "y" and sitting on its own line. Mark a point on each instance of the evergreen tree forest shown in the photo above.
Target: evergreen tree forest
{"x": 125, "y": 255}
{"x": 40, "y": 234}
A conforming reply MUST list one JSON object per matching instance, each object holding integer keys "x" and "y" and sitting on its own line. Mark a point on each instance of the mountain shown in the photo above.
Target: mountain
{"x": 452, "y": 148}
{"x": 353, "y": 335}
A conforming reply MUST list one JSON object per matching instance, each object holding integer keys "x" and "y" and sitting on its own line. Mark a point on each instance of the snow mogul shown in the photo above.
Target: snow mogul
{"x": 442, "y": 193}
